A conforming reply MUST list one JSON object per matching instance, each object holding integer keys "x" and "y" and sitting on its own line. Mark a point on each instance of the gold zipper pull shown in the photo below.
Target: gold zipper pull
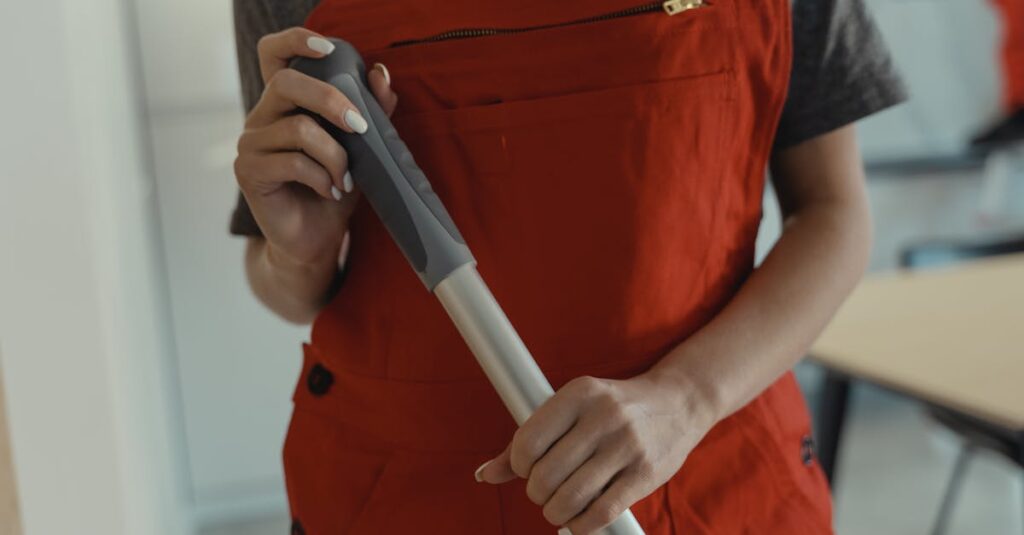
{"x": 675, "y": 7}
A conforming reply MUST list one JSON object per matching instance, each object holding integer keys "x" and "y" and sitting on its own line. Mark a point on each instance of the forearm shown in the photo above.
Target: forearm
{"x": 779, "y": 311}
{"x": 295, "y": 291}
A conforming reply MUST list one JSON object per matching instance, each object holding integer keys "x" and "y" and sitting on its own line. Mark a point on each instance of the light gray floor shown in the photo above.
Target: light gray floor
{"x": 895, "y": 462}
{"x": 895, "y": 467}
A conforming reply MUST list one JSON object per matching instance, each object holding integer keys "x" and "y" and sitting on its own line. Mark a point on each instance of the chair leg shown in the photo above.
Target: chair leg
{"x": 952, "y": 489}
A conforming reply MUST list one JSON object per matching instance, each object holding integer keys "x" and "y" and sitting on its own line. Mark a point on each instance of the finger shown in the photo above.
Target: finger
{"x": 583, "y": 486}
{"x": 497, "y": 470}
{"x": 302, "y": 133}
{"x": 568, "y": 454}
{"x": 275, "y": 50}
{"x": 264, "y": 173}
{"x": 626, "y": 490}
{"x": 379, "y": 79}
{"x": 289, "y": 89}
{"x": 552, "y": 420}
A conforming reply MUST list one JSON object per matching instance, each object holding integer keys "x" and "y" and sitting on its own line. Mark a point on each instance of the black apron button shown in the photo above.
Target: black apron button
{"x": 319, "y": 380}
{"x": 807, "y": 450}
{"x": 297, "y": 527}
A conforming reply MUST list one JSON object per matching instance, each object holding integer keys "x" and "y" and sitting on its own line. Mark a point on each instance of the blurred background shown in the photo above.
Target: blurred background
{"x": 147, "y": 392}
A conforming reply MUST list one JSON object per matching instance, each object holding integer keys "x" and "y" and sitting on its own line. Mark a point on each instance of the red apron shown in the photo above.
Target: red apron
{"x": 608, "y": 177}
{"x": 1011, "y": 14}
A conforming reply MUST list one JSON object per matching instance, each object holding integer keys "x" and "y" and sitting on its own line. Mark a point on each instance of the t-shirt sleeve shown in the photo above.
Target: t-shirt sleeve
{"x": 842, "y": 70}
{"x": 253, "y": 20}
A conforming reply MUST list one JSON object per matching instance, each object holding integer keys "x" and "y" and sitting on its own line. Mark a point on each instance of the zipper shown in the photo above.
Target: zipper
{"x": 671, "y": 7}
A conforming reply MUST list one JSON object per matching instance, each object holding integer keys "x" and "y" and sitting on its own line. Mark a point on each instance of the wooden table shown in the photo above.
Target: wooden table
{"x": 951, "y": 337}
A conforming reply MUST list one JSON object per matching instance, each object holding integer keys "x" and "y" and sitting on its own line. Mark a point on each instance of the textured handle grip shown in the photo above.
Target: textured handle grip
{"x": 384, "y": 169}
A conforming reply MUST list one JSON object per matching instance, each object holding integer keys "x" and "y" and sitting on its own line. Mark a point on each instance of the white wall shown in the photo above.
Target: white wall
{"x": 236, "y": 363}
{"x": 82, "y": 316}
{"x": 188, "y": 51}
{"x": 946, "y": 51}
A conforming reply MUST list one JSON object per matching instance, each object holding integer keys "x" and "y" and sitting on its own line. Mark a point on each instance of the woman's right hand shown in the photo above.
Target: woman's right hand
{"x": 293, "y": 174}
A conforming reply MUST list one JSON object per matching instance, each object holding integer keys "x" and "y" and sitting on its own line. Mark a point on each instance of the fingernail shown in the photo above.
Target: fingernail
{"x": 321, "y": 45}
{"x": 355, "y": 121}
{"x": 383, "y": 70}
{"x": 476, "y": 475}
{"x": 346, "y": 182}
{"x": 564, "y": 531}
{"x": 336, "y": 193}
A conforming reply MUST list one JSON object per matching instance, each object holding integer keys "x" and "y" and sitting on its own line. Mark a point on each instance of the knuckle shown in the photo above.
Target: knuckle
{"x": 556, "y": 513}
{"x": 606, "y": 513}
{"x": 274, "y": 82}
{"x": 535, "y": 489}
{"x": 239, "y": 167}
{"x": 587, "y": 386}
{"x": 296, "y": 36}
{"x": 632, "y": 439}
{"x": 521, "y": 463}
{"x": 525, "y": 445}
{"x": 645, "y": 468}
{"x": 541, "y": 484}
{"x": 303, "y": 127}
{"x": 294, "y": 165}
{"x": 552, "y": 517}
{"x": 263, "y": 44}
{"x": 334, "y": 99}
{"x": 574, "y": 497}
{"x": 251, "y": 118}
{"x": 616, "y": 414}
{"x": 241, "y": 147}
{"x": 280, "y": 79}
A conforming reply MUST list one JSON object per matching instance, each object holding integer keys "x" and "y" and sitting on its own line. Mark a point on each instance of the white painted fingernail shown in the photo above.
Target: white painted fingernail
{"x": 476, "y": 475}
{"x": 346, "y": 181}
{"x": 321, "y": 45}
{"x": 336, "y": 193}
{"x": 355, "y": 121}
{"x": 383, "y": 70}
{"x": 564, "y": 531}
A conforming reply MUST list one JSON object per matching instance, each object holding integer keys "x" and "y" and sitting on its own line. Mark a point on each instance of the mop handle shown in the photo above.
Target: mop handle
{"x": 400, "y": 194}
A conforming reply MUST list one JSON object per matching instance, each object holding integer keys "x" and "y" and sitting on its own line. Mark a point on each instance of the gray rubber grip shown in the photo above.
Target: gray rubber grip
{"x": 384, "y": 169}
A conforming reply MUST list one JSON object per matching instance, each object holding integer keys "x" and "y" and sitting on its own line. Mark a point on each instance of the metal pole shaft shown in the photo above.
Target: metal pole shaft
{"x": 503, "y": 356}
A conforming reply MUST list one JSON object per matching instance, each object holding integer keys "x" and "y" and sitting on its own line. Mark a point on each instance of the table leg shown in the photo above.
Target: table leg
{"x": 1020, "y": 453}
{"x": 831, "y": 416}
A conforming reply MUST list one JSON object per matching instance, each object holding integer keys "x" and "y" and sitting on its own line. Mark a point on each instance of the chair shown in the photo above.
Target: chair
{"x": 976, "y": 434}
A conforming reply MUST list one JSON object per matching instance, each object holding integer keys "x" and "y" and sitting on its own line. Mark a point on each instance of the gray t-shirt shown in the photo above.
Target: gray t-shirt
{"x": 842, "y": 71}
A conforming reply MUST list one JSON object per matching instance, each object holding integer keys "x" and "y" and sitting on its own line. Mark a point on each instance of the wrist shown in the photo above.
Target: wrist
{"x": 281, "y": 261}
{"x": 699, "y": 397}
{"x": 308, "y": 280}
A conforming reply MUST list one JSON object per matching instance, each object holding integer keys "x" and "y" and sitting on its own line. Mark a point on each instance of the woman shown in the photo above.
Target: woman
{"x": 605, "y": 161}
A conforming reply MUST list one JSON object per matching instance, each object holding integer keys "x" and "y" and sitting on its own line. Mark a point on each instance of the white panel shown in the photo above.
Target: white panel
{"x": 80, "y": 317}
{"x": 188, "y": 52}
{"x": 237, "y": 362}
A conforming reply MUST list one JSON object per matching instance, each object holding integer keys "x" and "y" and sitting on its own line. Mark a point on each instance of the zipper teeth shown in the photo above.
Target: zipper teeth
{"x": 464, "y": 33}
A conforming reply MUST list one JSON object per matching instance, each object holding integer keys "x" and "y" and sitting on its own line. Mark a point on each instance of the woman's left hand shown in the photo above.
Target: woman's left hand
{"x": 599, "y": 445}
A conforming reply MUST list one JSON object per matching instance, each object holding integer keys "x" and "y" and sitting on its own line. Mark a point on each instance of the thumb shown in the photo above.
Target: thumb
{"x": 379, "y": 79}
{"x": 497, "y": 470}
